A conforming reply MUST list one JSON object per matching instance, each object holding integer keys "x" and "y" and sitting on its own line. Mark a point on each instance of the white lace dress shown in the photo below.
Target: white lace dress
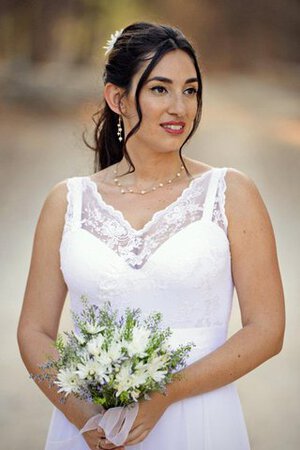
{"x": 179, "y": 263}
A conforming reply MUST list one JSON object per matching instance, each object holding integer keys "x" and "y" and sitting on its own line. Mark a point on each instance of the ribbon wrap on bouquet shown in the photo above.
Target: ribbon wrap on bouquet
{"x": 115, "y": 422}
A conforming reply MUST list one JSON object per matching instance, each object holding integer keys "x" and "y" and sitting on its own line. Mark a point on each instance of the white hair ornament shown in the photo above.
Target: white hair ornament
{"x": 111, "y": 42}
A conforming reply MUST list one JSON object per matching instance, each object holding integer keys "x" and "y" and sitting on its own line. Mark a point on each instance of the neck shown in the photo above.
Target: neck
{"x": 150, "y": 170}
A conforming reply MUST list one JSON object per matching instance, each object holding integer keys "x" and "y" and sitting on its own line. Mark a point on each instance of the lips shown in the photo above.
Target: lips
{"x": 173, "y": 127}
{"x": 181, "y": 124}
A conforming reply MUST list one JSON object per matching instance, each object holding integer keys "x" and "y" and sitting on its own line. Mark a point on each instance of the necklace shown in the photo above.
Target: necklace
{"x": 129, "y": 190}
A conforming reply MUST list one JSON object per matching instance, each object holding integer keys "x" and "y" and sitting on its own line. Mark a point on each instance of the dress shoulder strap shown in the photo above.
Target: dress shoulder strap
{"x": 217, "y": 176}
{"x": 74, "y": 203}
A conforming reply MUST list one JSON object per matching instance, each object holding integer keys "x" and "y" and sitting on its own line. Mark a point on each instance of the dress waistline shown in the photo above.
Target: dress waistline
{"x": 206, "y": 339}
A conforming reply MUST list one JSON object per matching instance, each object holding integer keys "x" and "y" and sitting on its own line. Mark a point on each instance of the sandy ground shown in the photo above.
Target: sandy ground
{"x": 248, "y": 123}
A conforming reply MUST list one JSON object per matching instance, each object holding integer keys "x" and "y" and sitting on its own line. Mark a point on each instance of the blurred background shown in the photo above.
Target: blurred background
{"x": 51, "y": 60}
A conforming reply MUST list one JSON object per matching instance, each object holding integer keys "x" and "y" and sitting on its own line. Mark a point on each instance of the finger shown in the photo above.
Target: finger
{"x": 140, "y": 438}
{"x": 100, "y": 432}
{"x": 114, "y": 448}
{"x": 134, "y": 434}
{"x": 106, "y": 445}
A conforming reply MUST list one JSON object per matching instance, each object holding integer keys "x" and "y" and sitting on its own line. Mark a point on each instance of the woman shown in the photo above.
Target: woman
{"x": 151, "y": 228}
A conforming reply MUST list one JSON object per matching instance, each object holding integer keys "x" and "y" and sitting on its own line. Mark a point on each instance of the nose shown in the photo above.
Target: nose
{"x": 177, "y": 105}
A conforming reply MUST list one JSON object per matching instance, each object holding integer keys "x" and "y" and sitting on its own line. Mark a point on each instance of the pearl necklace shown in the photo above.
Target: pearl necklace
{"x": 125, "y": 190}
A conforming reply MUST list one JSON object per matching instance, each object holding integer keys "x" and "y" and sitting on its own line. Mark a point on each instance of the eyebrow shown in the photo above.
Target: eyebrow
{"x": 167, "y": 80}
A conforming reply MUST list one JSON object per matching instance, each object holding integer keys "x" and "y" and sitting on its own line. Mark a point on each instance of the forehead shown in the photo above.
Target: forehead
{"x": 176, "y": 65}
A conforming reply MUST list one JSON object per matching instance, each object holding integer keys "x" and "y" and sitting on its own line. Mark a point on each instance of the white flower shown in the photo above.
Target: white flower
{"x": 92, "y": 328}
{"x": 141, "y": 366}
{"x": 139, "y": 343}
{"x": 135, "y": 394}
{"x": 95, "y": 344}
{"x": 80, "y": 339}
{"x": 140, "y": 376}
{"x": 124, "y": 378}
{"x": 115, "y": 351}
{"x": 91, "y": 369}
{"x": 111, "y": 42}
{"x": 104, "y": 358}
{"x": 68, "y": 381}
{"x": 155, "y": 365}
{"x": 117, "y": 334}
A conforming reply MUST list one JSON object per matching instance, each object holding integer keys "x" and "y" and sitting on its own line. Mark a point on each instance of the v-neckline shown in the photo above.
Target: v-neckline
{"x": 119, "y": 214}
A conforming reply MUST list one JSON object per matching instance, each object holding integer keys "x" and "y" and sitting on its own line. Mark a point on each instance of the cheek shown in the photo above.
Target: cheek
{"x": 193, "y": 107}
{"x": 152, "y": 107}
{"x": 152, "y": 116}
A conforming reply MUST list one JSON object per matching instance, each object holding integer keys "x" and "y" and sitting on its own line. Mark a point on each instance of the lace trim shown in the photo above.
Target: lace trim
{"x": 222, "y": 199}
{"x": 74, "y": 193}
{"x": 69, "y": 211}
{"x": 109, "y": 226}
{"x": 135, "y": 246}
{"x": 219, "y": 214}
{"x": 155, "y": 216}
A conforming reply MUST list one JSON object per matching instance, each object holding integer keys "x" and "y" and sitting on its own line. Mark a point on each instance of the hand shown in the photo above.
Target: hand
{"x": 148, "y": 415}
{"x": 92, "y": 438}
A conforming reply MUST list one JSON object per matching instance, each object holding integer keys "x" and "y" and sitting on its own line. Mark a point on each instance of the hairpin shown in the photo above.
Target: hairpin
{"x": 111, "y": 42}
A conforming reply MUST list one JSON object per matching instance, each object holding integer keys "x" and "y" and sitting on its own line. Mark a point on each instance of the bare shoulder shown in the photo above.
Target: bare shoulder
{"x": 245, "y": 208}
{"x": 53, "y": 211}
{"x": 239, "y": 185}
{"x": 240, "y": 190}
{"x": 58, "y": 193}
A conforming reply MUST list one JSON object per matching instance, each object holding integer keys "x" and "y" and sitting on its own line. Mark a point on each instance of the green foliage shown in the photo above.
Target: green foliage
{"x": 59, "y": 344}
{"x": 74, "y": 355}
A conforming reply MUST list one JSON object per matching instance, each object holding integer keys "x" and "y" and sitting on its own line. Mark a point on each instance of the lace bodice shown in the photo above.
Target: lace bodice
{"x": 178, "y": 263}
{"x": 135, "y": 246}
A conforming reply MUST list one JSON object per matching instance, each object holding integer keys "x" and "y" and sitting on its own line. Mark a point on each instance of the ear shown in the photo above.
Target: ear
{"x": 112, "y": 95}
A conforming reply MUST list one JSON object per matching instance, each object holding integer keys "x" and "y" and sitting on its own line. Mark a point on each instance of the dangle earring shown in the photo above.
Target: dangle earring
{"x": 119, "y": 133}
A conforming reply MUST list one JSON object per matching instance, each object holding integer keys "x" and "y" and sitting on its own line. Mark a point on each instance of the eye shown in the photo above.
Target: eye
{"x": 161, "y": 89}
{"x": 158, "y": 89}
{"x": 192, "y": 90}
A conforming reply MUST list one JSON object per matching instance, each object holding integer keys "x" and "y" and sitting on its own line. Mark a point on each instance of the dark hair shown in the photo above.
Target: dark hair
{"x": 139, "y": 42}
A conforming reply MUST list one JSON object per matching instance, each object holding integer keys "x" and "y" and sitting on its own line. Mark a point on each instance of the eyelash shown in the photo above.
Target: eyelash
{"x": 162, "y": 87}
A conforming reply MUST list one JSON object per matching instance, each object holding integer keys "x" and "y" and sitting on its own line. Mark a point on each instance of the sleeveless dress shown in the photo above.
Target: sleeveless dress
{"x": 179, "y": 263}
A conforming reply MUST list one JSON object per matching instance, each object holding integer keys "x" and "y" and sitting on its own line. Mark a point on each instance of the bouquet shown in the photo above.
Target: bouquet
{"x": 114, "y": 361}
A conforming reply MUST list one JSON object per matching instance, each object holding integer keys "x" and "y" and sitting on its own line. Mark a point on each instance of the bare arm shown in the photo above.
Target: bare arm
{"x": 260, "y": 293}
{"x": 44, "y": 298}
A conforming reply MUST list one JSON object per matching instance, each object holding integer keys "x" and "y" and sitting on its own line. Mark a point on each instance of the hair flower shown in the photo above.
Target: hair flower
{"x": 111, "y": 42}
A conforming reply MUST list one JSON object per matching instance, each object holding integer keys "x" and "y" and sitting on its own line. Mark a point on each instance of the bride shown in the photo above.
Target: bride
{"x": 154, "y": 229}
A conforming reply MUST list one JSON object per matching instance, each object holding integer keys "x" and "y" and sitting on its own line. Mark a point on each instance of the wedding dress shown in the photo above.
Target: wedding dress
{"x": 179, "y": 263}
